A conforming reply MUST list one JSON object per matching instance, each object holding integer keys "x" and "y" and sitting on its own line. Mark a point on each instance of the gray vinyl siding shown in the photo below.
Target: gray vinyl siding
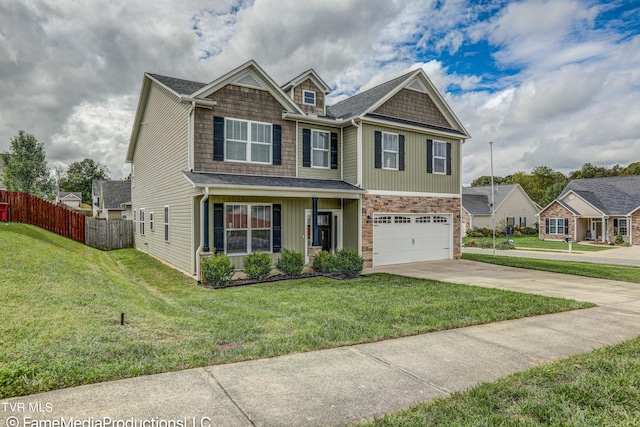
{"x": 293, "y": 219}
{"x": 320, "y": 173}
{"x": 415, "y": 177}
{"x": 160, "y": 157}
{"x": 350, "y": 224}
{"x": 350, "y": 155}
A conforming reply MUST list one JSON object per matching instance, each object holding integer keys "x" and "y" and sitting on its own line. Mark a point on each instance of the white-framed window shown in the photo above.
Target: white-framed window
{"x": 523, "y": 221}
{"x": 320, "y": 149}
{"x": 439, "y": 157}
{"x": 150, "y": 221}
{"x": 556, "y": 225}
{"x": 135, "y": 227}
{"x": 309, "y": 97}
{"x": 166, "y": 223}
{"x": 141, "y": 220}
{"x": 247, "y": 228}
{"x": 247, "y": 141}
{"x": 622, "y": 226}
{"x": 390, "y": 148}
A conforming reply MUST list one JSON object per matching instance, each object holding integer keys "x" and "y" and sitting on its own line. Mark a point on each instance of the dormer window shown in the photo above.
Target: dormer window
{"x": 308, "y": 97}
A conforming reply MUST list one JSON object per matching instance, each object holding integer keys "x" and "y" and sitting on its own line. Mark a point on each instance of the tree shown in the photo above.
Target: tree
{"x": 632, "y": 169}
{"x": 25, "y": 167}
{"x": 552, "y": 193}
{"x": 486, "y": 180}
{"x": 80, "y": 176}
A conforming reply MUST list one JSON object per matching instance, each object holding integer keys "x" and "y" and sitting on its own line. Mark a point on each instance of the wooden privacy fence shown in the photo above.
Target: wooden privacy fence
{"x": 105, "y": 235}
{"x": 29, "y": 209}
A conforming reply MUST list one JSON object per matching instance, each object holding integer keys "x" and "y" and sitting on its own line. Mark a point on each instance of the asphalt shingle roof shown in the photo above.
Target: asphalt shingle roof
{"x": 223, "y": 179}
{"x": 618, "y": 195}
{"x": 180, "y": 86}
{"x": 477, "y": 200}
{"x": 63, "y": 194}
{"x": 115, "y": 193}
{"x": 358, "y": 104}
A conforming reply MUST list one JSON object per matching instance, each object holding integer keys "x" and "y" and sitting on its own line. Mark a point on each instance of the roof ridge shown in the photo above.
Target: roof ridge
{"x": 375, "y": 87}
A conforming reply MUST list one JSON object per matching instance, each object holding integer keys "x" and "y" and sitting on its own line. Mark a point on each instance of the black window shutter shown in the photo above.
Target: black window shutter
{"x": 334, "y": 150}
{"x": 566, "y": 226}
{"x": 615, "y": 223}
{"x": 546, "y": 225}
{"x": 218, "y": 138}
{"x": 306, "y": 148}
{"x": 277, "y": 228}
{"x": 377, "y": 140}
{"x": 218, "y": 227}
{"x": 448, "y": 158}
{"x": 277, "y": 145}
{"x": 401, "y": 152}
{"x": 429, "y": 156}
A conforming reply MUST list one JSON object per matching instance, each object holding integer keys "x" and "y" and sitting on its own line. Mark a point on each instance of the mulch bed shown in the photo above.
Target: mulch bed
{"x": 274, "y": 278}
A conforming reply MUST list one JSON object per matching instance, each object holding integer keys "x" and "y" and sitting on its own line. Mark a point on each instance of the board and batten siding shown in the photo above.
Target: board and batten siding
{"x": 350, "y": 155}
{"x": 415, "y": 177}
{"x": 293, "y": 219}
{"x": 350, "y": 215}
{"x": 160, "y": 156}
{"x": 318, "y": 173}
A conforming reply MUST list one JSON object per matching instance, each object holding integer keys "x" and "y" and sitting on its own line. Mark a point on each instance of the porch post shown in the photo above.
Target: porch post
{"x": 206, "y": 248}
{"x": 314, "y": 220}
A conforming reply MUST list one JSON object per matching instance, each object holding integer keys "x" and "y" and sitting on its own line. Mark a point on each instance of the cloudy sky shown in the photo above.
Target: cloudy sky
{"x": 552, "y": 82}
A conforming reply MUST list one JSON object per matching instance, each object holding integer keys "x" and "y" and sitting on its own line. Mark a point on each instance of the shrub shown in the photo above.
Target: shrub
{"x": 257, "y": 265}
{"x": 529, "y": 230}
{"x": 347, "y": 263}
{"x": 486, "y": 244}
{"x": 619, "y": 239}
{"x": 474, "y": 233}
{"x": 291, "y": 262}
{"x": 626, "y": 245}
{"x": 506, "y": 244}
{"x": 322, "y": 262}
{"x": 217, "y": 270}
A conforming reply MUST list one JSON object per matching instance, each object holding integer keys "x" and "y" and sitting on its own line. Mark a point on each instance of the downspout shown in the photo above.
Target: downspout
{"x": 358, "y": 153}
{"x": 205, "y": 197}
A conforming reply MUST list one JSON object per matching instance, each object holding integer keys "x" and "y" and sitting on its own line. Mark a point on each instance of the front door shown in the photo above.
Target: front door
{"x": 596, "y": 229}
{"x": 324, "y": 230}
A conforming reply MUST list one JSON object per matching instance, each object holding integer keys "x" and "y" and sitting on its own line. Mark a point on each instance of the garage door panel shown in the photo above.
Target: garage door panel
{"x": 421, "y": 239}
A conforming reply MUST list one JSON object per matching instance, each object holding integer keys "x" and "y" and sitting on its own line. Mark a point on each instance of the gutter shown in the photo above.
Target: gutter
{"x": 201, "y": 102}
{"x": 205, "y": 197}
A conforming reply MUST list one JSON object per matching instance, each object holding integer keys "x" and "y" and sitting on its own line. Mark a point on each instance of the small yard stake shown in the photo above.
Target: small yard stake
{"x": 122, "y": 319}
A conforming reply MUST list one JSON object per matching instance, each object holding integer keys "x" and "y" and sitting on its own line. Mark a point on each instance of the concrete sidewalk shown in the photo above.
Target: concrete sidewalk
{"x": 345, "y": 385}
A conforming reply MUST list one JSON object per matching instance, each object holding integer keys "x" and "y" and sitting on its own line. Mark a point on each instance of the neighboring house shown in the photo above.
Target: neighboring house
{"x": 595, "y": 209}
{"x": 513, "y": 207}
{"x": 242, "y": 164}
{"x": 111, "y": 199}
{"x": 71, "y": 199}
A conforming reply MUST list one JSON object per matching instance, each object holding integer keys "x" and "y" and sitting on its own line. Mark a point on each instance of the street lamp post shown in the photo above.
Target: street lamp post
{"x": 493, "y": 206}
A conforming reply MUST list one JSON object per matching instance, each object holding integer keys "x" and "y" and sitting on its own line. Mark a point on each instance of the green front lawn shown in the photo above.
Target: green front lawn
{"x": 600, "y": 388}
{"x": 588, "y": 269}
{"x": 62, "y": 302}
{"x": 533, "y": 242}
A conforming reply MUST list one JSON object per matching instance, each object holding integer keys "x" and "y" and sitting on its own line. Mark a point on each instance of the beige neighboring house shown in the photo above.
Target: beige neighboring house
{"x": 242, "y": 164}
{"x": 594, "y": 209}
{"x": 71, "y": 199}
{"x": 513, "y": 207}
{"x": 111, "y": 199}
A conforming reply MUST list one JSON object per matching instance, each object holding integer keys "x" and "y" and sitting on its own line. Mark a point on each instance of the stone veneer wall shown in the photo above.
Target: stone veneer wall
{"x": 467, "y": 218}
{"x": 246, "y": 104}
{"x": 556, "y": 211}
{"x": 405, "y": 204}
{"x": 416, "y": 106}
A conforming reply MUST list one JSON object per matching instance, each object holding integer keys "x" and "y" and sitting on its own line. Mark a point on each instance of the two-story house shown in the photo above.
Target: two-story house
{"x": 243, "y": 164}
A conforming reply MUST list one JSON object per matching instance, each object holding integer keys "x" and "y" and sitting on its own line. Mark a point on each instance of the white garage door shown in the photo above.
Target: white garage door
{"x": 401, "y": 238}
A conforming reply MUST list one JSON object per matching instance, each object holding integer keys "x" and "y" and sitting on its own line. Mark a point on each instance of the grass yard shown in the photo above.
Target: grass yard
{"x": 588, "y": 269}
{"x": 62, "y": 302}
{"x": 532, "y": 242}
{"x": 600, "y": 388}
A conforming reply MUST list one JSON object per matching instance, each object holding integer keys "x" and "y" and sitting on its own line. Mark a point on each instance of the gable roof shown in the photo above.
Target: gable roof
{"x": 477, "y": 200}
{"x": 69, "y": 195}
{"x": 365, "y": 103}
{"x": 178, "y": 86}
{"x": 617, "y": 195}
{"x": 309, "y": 74}
{"x": 114, "y": 193}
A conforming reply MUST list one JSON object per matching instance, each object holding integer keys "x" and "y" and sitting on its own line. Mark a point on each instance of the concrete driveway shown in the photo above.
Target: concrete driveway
{"x": 350, "y": 384}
